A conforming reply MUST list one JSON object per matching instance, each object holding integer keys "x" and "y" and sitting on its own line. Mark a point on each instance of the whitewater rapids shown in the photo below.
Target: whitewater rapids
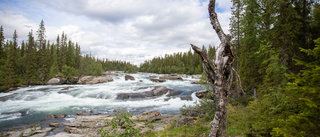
{"x": 32, "y": 104}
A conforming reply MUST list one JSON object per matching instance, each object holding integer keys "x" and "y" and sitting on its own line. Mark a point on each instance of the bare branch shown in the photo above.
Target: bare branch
{"x": 239, "y": 79}
{"x": 215, "y": 22}
{"x": 210, "y": 72}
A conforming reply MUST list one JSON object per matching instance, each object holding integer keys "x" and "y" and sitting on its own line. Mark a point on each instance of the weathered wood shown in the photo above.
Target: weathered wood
{"x": 220, "y": 75}
{"x": 239, "y": 81}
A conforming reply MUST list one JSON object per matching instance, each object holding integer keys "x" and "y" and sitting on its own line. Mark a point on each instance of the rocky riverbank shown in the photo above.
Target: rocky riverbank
{"x": 83, "y": 126}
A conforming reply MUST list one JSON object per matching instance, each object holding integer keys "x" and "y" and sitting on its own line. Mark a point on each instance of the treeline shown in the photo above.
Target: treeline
{"x": 180, "y": 63}
{"x": 277, "y": 50}
{"x": 37, "y": 60}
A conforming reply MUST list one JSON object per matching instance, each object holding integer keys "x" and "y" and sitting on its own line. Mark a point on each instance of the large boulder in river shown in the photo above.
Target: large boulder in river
{"x": 128, "y": 77}
{"x": 94, "y": 80}
{"x": 155, "y": 92}
{"x": 201, "y": 93}
{"x": 158, "y": 80}
{"x": 171, "y": 77}
{"x": 54, "y": 81}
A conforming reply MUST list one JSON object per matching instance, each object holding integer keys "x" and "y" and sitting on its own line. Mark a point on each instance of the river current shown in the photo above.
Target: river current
{"x": 31, "y": 105}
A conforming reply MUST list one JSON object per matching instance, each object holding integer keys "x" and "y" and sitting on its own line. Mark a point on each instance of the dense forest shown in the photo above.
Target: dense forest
{"x": 35, "y": 61}
{"x": 276, "y": 46}
{"x": 180, "y": 63}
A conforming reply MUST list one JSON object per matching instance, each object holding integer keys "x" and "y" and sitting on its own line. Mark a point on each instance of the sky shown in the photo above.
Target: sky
{"x": 127, "y": 30}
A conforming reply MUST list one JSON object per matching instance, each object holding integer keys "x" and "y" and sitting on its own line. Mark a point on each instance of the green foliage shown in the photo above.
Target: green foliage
{"x": 236, "y": 121}
{"x": 34, "y": 129}
{"x": 204, "y": 108}
{"x": 3, "y": 134}
{"x": 290, "y": 111}
{"x": 302, "y": 95}
{"x": 68, "y": 71}
{"x": 181, "y": 63}
{"x": 109, "y": 65}
{"x": 120, "y": 120}
{"x": 186, "y": 131}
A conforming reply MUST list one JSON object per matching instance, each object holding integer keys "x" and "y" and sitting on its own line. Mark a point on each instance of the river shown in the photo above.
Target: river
{"x": 31, "y": 105}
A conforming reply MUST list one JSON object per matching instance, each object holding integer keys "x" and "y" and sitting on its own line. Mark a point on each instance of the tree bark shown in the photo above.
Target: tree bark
{"x": 220, "y": 75}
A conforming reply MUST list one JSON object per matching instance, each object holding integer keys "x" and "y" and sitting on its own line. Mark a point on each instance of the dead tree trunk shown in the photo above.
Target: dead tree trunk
{"x": 220, "y": 75}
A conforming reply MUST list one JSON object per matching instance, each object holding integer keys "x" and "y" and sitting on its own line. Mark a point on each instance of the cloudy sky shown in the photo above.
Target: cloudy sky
{"x": 131, "y": 30}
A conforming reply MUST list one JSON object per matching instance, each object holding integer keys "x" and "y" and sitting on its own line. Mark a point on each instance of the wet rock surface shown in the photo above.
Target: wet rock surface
{"x": 157, "y": 80}
{"x": 94, "y": 80}
{"x": 171, "y": 77}
{"x": 201, "y": 93}
{"x": 129, "y": 77}
{"x": 155, "y": 92}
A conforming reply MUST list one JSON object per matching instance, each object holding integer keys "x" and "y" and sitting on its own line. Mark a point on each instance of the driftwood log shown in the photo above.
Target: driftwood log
{"x": 220, "y": 75}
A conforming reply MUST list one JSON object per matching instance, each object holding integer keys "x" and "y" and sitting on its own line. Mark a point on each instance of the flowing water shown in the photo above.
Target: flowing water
{"x": 32, "y": 104}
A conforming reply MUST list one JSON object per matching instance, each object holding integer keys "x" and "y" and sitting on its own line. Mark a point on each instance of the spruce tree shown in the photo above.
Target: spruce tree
{"x": 31, "y": 60}
{"x": 2, "y": 44}
{"x": 41, "y": 43}
{"x": 11, "y": 76}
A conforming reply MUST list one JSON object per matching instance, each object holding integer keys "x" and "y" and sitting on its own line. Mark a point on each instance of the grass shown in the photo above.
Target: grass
{"x": 195, "y": 130}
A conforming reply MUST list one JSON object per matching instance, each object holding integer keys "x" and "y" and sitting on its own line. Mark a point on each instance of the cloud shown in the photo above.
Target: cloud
{"x": 132, "y": 30}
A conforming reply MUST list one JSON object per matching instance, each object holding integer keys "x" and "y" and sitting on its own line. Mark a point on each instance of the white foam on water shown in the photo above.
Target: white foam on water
{"x": 48, "y": 98}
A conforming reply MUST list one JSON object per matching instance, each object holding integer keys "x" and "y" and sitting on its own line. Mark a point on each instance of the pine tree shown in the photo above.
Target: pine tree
{"x": 41, "y": 42}
{"x": 54, "y": 66}
{"x": 11, "y": 76}
{"x": 31, "y": 60}
{"x": 302, "y": 99}
{"x": 2, "y": 43}
{"x": 248, "y": 61}
{"x": 3, "y": 55}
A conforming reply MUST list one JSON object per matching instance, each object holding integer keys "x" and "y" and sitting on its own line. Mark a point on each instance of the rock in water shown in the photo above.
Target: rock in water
{"x": 196, "y": 76}
{"x": 128, "y": 77}
{"x": 171, "y": 77}
{"x": 155, "y": 92}
{"x": 158, "y": 80}
{"x": 200, "y": 94}
{"x": 94, "y": 80}
{"x": 53, "y": 81}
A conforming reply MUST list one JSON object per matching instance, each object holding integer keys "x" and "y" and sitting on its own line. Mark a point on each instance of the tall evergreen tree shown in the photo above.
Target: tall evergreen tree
{"x": 2, "y": 43}
{"x": 31, "y": 60}
{"x": 11, "y": 76}
{"x": 41, "y": 42}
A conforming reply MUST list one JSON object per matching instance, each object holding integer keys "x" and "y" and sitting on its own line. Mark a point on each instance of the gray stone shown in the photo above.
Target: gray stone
{"x": 171, "y": 77}
{"x": 201, "y": 93}
{"x": 128, "y": 77}
{"x": 54, "y": 124}
{"x": 158, "y": 80}
{"x": 53, "y": 81}
{"x": 155, "y": 92}
{"x": 72, "y": 80}
{"x": 94, "y": 80}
